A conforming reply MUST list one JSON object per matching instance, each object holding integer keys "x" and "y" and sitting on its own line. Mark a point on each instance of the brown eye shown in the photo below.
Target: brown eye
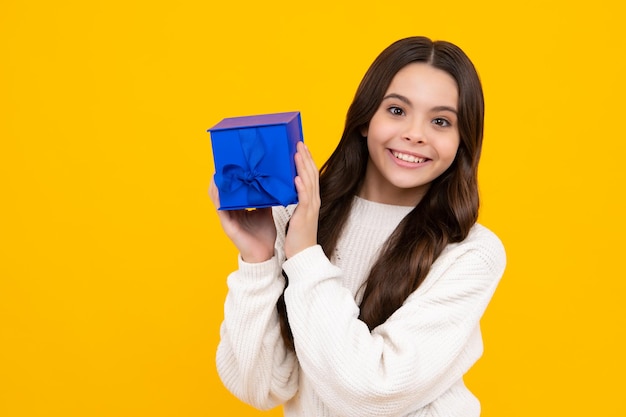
{"x": 441, "y": 122}
{"x": 396, "y": 111}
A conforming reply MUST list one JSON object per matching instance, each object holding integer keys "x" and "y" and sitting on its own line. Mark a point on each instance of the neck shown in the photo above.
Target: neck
{"x": 385, "y": 194}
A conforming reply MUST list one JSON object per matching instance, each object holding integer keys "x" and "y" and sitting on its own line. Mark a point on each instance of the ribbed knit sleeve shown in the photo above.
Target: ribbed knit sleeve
{"x": 252, "y": 359}
{"x": 412, "y": 359}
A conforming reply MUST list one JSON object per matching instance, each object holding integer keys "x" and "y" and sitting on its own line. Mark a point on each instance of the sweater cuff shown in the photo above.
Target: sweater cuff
{"x": 254, "y": 276}
{"x": 310, "y": 265}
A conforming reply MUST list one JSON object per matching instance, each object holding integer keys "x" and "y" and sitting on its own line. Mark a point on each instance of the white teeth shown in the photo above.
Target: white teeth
{"x": 409, "y": 158}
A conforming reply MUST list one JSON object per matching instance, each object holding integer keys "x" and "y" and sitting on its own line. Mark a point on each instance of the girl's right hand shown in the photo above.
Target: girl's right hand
{"x": 252, "y": 231}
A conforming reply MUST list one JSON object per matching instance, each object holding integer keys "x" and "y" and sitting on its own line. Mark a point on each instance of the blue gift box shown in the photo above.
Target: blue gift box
{"x": 254, "y": 160}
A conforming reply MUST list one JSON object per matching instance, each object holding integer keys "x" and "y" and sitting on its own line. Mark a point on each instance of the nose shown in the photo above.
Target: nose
{"x": 414, "y": 132}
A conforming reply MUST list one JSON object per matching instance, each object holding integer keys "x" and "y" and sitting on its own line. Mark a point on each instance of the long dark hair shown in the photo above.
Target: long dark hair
{"x": 447, "y": 211}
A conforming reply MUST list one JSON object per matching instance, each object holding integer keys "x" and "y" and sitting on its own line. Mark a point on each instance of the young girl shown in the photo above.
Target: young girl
{"x": 365, "y": 298}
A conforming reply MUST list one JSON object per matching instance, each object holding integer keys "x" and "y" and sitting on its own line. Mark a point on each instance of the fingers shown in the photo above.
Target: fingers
{"x": 224, "y": 216}
{"x": 310, "y": 169}
{"x": 307, "y": 181}
{"x": 302, "y": 231}
{"x": 214, "y": 194}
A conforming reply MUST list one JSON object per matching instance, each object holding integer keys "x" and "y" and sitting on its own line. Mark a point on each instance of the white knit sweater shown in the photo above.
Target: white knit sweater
{"x": 411, "y": 365}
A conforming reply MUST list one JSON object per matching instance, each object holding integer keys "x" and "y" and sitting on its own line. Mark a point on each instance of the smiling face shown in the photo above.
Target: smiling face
{"x": 413, "y": 137}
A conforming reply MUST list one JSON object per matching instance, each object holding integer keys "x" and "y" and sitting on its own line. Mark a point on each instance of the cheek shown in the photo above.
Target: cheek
{"x": 379, "y": 131}
{"x": 448, "y": 150}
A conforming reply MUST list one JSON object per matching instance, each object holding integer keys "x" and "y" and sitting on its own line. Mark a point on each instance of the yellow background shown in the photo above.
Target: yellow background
{"x": 112, "y": 262}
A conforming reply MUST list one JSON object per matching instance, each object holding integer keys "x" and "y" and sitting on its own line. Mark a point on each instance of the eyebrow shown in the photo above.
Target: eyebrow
{"x": 408, "y": 102}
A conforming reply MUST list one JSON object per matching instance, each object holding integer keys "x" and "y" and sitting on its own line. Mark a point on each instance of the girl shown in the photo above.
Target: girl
{"x": 365, "y": 298}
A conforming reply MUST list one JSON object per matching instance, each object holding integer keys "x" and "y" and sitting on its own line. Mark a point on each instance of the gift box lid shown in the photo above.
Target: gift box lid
{"x": 255, "y": 121}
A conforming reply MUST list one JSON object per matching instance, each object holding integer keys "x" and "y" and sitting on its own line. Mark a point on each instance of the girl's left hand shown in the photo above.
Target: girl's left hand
{"x": 302, "y": 231}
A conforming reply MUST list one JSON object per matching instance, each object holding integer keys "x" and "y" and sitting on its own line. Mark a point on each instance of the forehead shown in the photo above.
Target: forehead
{"x": 422, "y": 82}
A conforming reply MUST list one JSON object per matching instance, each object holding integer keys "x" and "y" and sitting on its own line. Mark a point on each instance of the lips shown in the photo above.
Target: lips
{"x": 415, "y": 159}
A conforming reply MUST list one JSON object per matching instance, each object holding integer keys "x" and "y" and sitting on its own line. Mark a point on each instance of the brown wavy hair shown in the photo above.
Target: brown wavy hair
{"x": 447, "y": 211}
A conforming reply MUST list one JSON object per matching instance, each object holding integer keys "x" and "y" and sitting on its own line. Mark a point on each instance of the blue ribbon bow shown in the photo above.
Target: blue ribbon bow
{"x": 259, "y": 183}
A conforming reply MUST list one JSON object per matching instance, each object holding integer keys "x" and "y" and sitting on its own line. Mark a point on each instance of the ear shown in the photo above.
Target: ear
{"x": 364, "y": 130}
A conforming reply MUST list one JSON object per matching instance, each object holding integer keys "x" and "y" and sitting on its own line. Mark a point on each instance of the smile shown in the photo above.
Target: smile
{"x": 408, "y": 158}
